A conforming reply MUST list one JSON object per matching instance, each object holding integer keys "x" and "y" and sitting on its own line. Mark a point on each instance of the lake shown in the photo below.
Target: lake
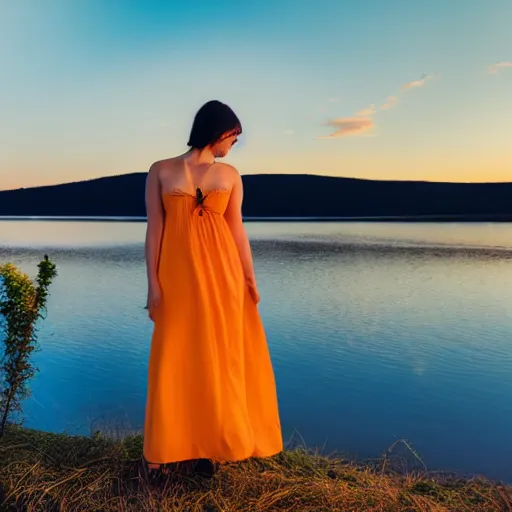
{"x": 378, "y": 332}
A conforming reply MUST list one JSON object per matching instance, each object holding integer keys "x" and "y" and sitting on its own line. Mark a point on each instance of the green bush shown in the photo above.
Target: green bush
{"x": 22, "y": 304}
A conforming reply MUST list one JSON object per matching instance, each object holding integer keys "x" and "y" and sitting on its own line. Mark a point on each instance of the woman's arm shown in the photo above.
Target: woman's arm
{"x": 233, "y": 216}
{"x": 155, "y": 224}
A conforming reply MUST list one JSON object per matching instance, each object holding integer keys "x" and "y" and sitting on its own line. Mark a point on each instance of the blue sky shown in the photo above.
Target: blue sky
{"x": 371, "y": 88}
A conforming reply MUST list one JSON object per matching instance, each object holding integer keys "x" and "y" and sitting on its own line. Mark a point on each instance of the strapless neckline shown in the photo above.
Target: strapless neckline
{"x": 179, "y": 192}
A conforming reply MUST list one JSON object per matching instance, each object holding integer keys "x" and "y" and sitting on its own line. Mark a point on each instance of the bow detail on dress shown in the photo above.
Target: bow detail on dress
{"x": 200, "y": 201}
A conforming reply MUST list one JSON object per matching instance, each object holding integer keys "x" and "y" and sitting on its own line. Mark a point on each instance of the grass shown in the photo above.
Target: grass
{"x": 56, "y": 472}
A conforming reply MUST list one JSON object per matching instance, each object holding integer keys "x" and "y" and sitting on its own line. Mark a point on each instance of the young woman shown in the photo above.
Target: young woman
{"x": 211, "y": 389}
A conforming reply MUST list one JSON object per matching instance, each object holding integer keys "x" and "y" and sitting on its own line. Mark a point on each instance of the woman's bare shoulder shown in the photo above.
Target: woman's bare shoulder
{"x": 227, "y": 167}
{"x": 229, "y": 171}
{"x": 162, "y": 171}
{"x": 165, "y": 165}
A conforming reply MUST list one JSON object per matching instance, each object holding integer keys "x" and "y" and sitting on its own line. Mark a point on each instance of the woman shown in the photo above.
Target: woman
{"x": 211, "y": 390}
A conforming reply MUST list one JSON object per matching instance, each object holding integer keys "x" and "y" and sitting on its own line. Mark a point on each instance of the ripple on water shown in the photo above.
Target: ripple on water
{"x": 376, "y": 331}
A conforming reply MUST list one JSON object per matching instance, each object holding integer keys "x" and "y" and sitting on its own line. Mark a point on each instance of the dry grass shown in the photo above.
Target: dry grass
{"x": 43, "y": 472}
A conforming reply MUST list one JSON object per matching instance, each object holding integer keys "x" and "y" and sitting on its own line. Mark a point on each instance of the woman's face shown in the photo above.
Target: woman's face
{"x": 225, "y": 143}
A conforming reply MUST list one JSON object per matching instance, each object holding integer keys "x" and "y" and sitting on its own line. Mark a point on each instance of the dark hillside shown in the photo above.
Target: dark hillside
{"x": 275, "y": 195}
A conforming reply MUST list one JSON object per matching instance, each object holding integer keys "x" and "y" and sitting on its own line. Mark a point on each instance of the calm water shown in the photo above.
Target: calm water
{"x": 377, "y": 332}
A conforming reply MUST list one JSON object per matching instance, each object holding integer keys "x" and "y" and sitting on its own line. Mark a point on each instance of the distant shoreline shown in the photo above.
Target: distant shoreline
{"x": 405, "y": 218}
{"x": 276, "y": 197}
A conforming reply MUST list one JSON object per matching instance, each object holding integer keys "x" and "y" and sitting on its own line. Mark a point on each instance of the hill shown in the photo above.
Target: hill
{"x": 277, "y": 195}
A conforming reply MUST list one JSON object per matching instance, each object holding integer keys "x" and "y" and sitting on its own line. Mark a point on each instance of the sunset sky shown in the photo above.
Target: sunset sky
{"x": 381, "y": 89}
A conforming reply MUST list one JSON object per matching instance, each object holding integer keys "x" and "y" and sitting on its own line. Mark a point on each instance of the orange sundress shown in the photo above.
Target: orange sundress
{"x": 211, "y": 388}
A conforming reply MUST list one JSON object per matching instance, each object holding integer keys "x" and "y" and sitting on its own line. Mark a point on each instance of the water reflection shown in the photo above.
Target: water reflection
{"x": 377, "y": 332}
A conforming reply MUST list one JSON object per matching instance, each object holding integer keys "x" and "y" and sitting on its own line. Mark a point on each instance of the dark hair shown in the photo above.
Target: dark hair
{"x": 211, "y": 121}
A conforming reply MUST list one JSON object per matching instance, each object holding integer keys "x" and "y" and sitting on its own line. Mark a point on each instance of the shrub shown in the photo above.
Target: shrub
{"x": 22, "y": 304}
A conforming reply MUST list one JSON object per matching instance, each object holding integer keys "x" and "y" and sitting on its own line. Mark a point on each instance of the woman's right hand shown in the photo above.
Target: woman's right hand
{"x": 154, "y": 299}
{"x": 253, "y": 289}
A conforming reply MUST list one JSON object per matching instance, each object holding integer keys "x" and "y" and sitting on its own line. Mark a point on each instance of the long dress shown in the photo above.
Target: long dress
{"x": 211, "y": 388}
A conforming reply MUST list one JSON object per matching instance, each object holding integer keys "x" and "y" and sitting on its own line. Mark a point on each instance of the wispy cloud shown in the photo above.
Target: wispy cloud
{"x": 362, "y": 122}
{"x": 348, "y": 126}
{"x": 495, "y": 68}
{"x": 390, "y": 102}
{"x": 417, "y": 83}
{"x": 289, "y": 131}
{"x": 333, "y": 99}
{"x": 367, "y": 112}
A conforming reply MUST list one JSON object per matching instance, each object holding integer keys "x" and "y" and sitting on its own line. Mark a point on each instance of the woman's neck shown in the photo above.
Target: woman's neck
{"x": 200, "y": 156}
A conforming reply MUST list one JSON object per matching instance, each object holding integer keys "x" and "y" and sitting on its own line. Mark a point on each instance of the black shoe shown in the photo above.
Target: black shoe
{"x": 204, "y": 468}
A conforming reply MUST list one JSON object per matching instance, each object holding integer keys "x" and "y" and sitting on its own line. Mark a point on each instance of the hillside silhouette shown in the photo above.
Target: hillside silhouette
{"x": 277, "y": 195}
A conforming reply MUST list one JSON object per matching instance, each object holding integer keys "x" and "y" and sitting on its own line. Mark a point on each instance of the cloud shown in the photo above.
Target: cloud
{"x": 289, "y": 131}
{"x": 348, "y": 126}
{"x": 390, "y": 101}
{"x": 417, "y": 83}
{"x": 495, "y": 68}
{"x": 367, "y": 112}
{"x": 362, "y": 122}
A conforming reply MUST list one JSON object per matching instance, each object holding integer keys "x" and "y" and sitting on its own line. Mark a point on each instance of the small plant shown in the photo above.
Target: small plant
{"x": 22, "y": 304}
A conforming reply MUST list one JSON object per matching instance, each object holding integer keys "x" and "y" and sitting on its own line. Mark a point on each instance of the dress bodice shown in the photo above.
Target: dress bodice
{"x": 201, "y": 204}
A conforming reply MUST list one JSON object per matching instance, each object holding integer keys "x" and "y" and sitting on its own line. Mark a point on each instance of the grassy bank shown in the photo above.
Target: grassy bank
{"x": 47, "y": 472}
